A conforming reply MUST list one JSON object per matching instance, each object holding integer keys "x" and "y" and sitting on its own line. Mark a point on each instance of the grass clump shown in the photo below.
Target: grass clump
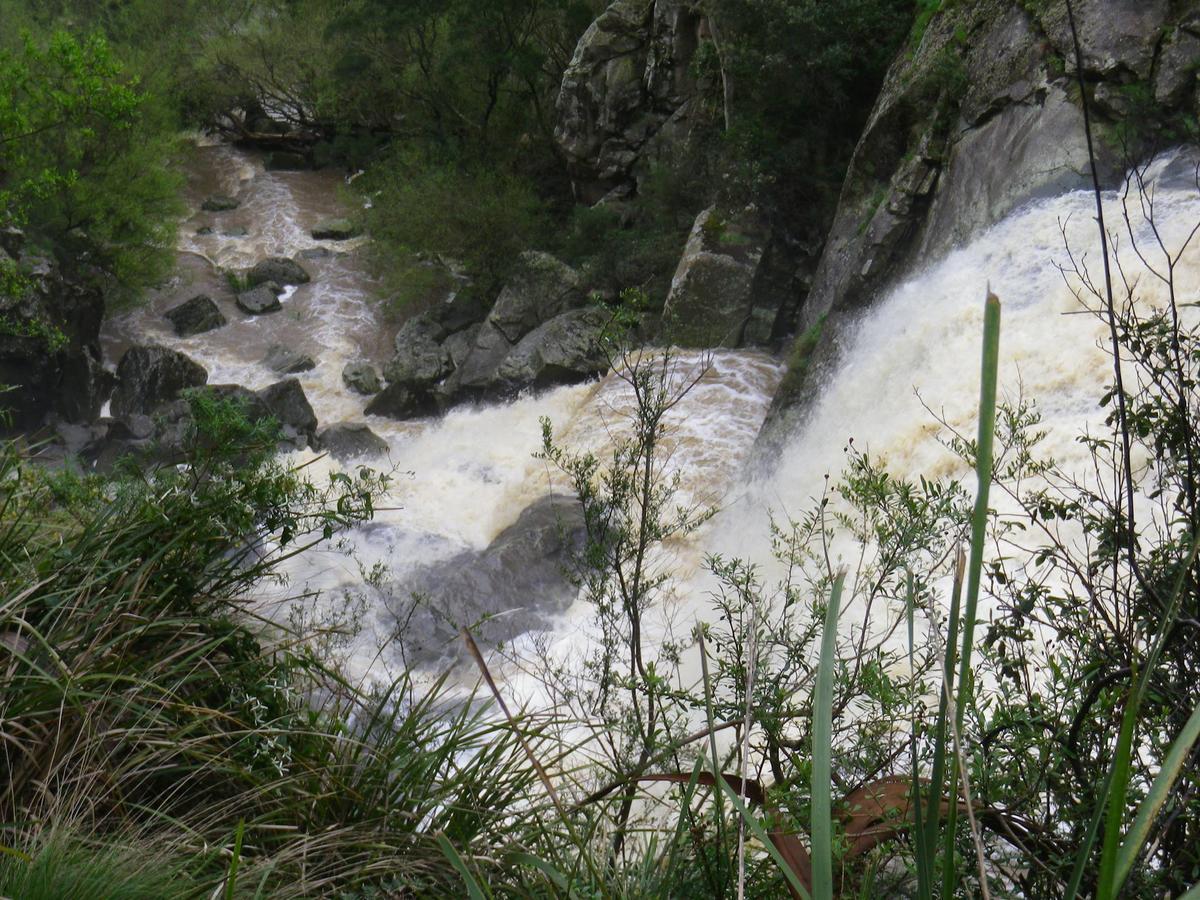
{"x": 139, "y": 696}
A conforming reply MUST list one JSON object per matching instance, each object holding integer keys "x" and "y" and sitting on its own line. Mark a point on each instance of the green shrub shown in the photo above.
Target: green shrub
{"x": 479, "y": 219}
{"x": 83, "y": 156}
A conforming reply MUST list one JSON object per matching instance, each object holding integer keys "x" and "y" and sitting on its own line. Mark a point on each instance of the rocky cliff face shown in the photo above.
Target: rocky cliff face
{"x": 628, "y": 93}
{"x": 49, "y": 342}
{"x": 984, "y": 114}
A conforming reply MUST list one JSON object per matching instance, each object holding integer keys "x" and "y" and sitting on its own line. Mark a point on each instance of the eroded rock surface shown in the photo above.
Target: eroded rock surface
{"x": 516, "y": 585}
{"x": 195, "y": 316}
{"x": 149, "y": 377}
{"x": 629, "y": 77}
{"x": 350, "y": 441}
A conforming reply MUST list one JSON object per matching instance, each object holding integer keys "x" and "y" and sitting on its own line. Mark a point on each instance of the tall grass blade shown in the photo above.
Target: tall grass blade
{"x": 1085, "y": 850}
{"x": 989, "y": 375}
{"x": 1172, "y": 766}
{"x": 474, "y": 891}
{"x": 921, "y": 845}
{"x": 231, "y": 878}
{"x": 553, "y": 875}
{"x": 710, "y": 716}
{"x": 1106, "y": 885}
{"x": 983, "y": 472}
{"x": 473, "y": 649}
{"x": 789, "y": 872}
{"x": 685, "y": 807}
{"x": 822, "y": 750}
{"x": 942, "y": 733}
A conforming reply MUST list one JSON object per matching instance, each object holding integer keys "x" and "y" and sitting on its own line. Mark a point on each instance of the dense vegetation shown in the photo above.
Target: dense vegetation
{"x": 450, "y": 108}
{"x": 83, "y": 159}
{"x": 159, "y": 740}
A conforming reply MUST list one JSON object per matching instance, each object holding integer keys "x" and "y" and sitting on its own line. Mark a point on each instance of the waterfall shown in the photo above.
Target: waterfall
{"x": 460, "y": 480}
{"x": 914, "y": 356}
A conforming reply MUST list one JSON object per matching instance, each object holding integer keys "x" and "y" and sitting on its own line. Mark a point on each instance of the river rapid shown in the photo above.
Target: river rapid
{"x": 461, "y": 480}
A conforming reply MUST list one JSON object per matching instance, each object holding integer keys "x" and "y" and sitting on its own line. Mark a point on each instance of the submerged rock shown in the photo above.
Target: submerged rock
{"x": 361, "y": 378}
{"x": 350, "y": 440}
{"x": 334, "y": 230}
{"x": 285, "y": 161}
{"x": 195, "y": 316}
{"x": 149, "y": 377}
{"x": 404, "y": 401}
{"x": 278, "y": 269}
{"x": 219, "y": 203}
{"x": 518, "y": 584}
{"x": 286, "y": 361}
{"x": 259, "y": 300}
{"x": 289, "y": 405}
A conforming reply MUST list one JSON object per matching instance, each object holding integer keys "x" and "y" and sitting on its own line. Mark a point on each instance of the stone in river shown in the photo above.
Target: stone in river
{"x": 195, "y": 316}
{"x": 259, "y": 300}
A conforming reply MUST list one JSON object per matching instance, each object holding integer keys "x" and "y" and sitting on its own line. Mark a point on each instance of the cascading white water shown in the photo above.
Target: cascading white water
{"x": 459, "y": 480}
{"x": 462, "y": 479}
{"x": 920, "y": 347}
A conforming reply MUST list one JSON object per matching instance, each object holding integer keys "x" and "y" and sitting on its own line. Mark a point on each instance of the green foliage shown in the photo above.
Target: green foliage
{"x": 926, "y": 10}
{"x": 151, "y": 709}
{"x": 63, "y": 865}
{"x": 82, "y": 159}
{"x": 50, "y": 334}
{"x": 804, "y": 75}
{"x": 799, "y": 364}
{"x": 475, "y": 218}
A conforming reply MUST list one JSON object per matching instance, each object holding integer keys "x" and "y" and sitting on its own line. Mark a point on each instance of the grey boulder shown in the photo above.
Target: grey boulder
{"x": 351, "y": 440}
{"x": 259, "y": 300}
{"x": 219, "y": 203}
{"x": 286, "y": 361}
{"x": 195, "y": 316}
{"x": 361, "y": 378}
{"x": 149, "y": 377}
{"x": 403, "y": 401}
{"x": 334, "y": 230}
{"x": 290, "y": 407}
{"x": 278, "y": 269}
{"x": 564, "y": 350}
{"x": 420, "y": 359}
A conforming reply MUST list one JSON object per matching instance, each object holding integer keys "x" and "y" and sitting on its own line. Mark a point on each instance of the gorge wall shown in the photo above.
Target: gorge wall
{"x": 979, "y": 116}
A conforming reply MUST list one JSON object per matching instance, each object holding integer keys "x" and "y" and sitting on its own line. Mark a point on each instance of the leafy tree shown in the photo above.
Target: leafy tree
{"x": 82, "y": 159}
{"x": 476, "y": 218}
{"x": 798, "y": 80}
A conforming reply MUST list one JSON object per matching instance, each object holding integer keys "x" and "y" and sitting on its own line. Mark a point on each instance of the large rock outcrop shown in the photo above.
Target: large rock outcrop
{"x": 719, "y": 284}
{"x": 628, "y": 92}
{"x": 983, "y": 115}
{"x": 149, "y": 377}
{"x": 49, "y": 340}
{"x": 540, "y": 332}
